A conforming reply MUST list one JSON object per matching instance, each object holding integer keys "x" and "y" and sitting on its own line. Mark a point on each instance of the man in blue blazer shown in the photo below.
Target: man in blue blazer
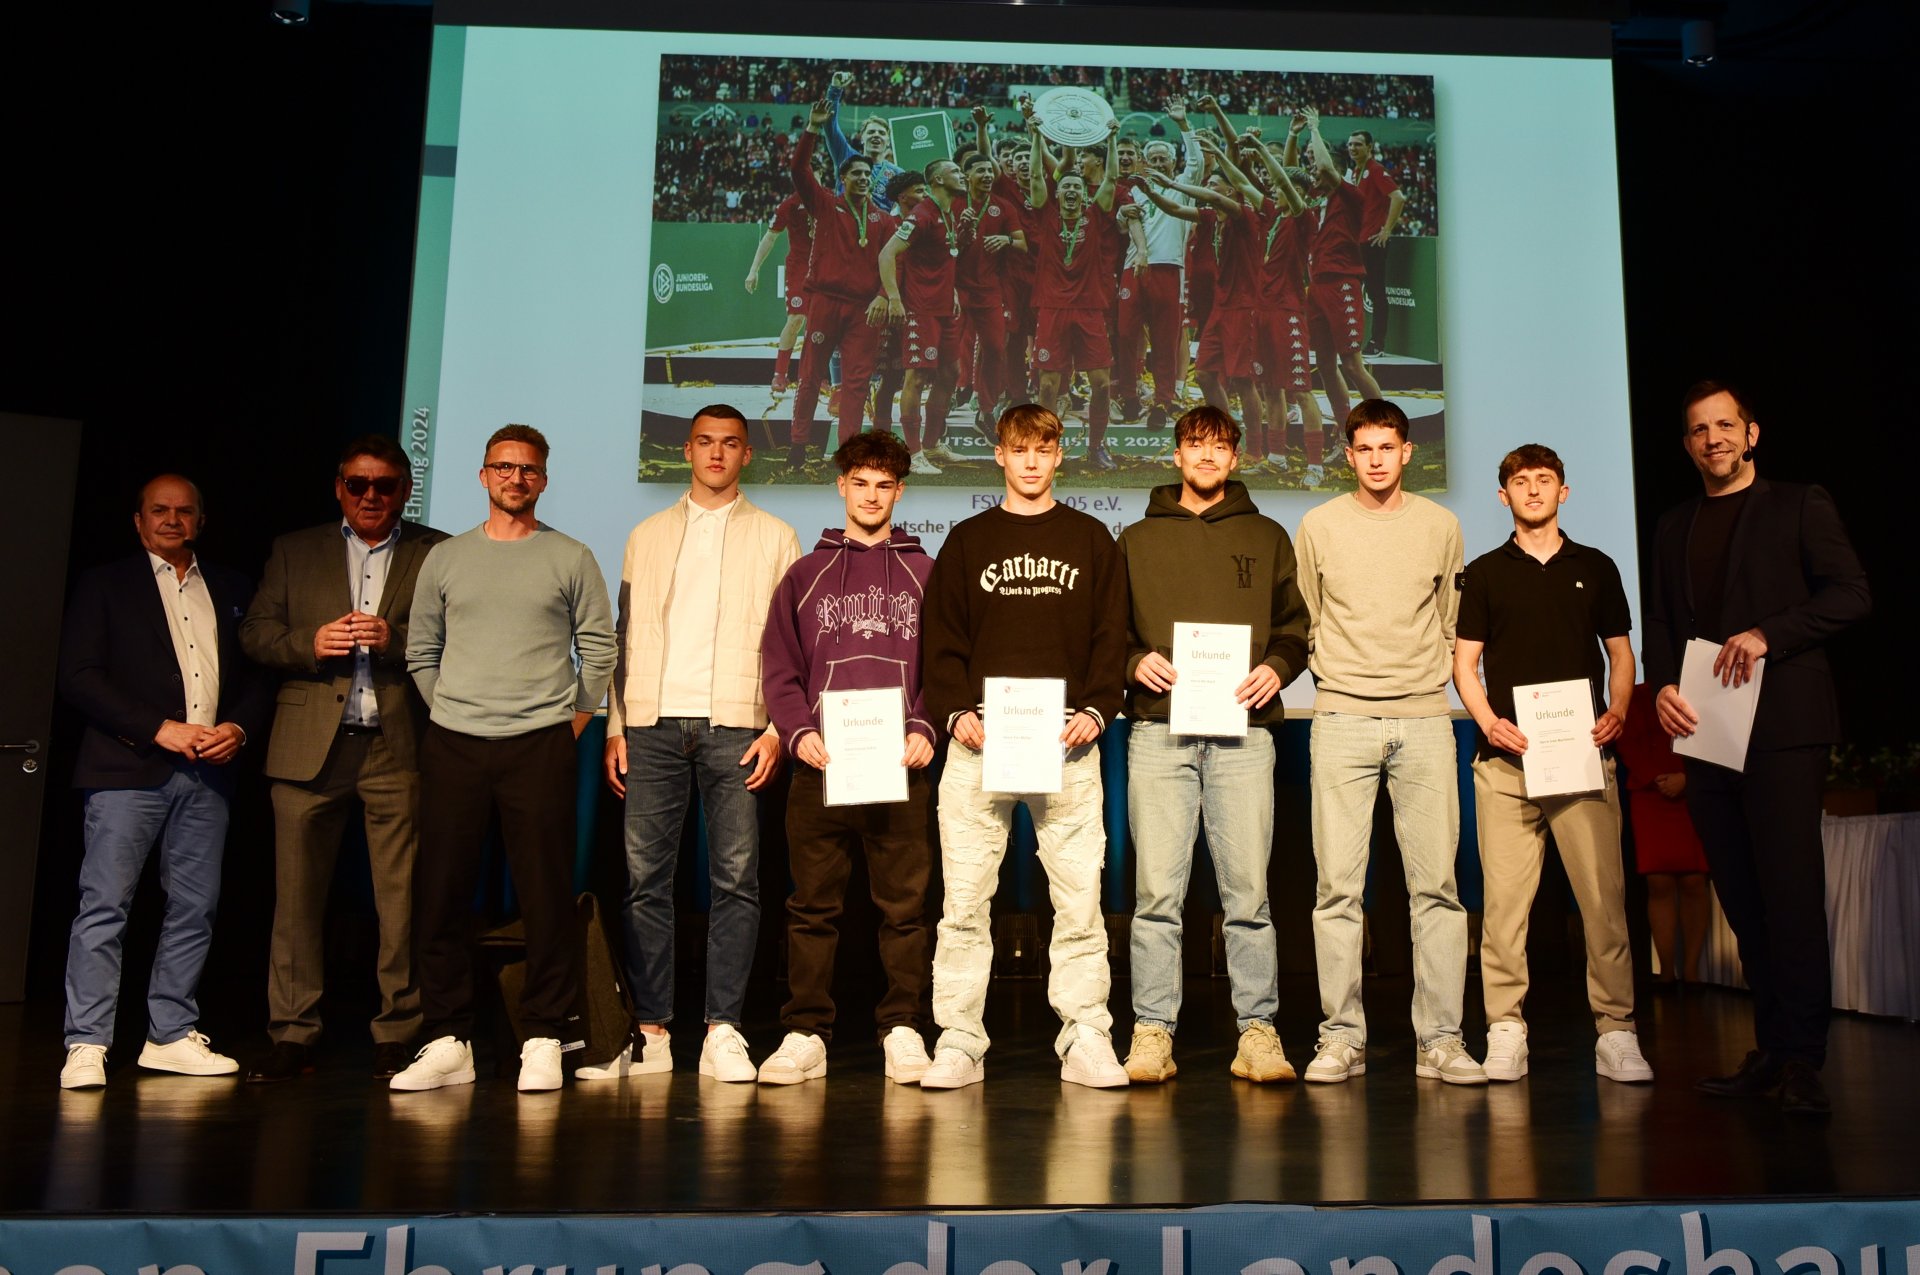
{"x": 151, "y": 658}
{"x": 1763, "y": 570}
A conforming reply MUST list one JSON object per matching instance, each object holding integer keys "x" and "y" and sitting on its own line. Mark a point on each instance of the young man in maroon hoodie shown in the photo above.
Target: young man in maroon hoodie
{"x": 847, "y": 617}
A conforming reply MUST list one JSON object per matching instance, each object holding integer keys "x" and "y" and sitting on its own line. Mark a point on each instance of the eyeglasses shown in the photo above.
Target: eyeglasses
{"x": 507, "y": 469}
{"x": 357, "y": 485}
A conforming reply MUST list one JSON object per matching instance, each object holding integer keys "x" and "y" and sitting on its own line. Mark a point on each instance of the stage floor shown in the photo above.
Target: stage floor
{"x": 337, "y": 1140}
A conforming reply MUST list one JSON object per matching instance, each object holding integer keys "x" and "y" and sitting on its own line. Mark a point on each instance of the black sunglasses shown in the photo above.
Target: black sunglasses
{"x": 358, "y": 484}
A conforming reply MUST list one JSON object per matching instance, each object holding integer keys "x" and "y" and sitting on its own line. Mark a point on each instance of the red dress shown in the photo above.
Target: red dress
{"x": 1663, "y": 835}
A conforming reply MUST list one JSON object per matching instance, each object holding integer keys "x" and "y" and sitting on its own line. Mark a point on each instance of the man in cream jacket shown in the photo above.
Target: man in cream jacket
{"x": 686, "y": 711}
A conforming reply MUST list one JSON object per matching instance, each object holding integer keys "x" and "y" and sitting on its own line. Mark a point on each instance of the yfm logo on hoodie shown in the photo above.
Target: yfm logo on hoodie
{"x": 870, "y": 613}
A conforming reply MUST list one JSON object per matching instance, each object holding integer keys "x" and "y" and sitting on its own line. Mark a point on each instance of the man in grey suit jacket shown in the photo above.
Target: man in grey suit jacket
{"x": 331, "y": 617}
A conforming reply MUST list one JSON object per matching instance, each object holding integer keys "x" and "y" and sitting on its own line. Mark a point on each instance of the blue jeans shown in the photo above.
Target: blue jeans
{"x": 188, "y": 818}
{"x": 1175, "y": 785}
{"x": 1416, "y": 754}
{"x": 665, "y": 761}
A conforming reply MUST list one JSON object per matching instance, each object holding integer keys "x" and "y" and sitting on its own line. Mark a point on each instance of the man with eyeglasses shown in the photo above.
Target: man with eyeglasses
{"x": 501, "y": 613}
{"x": 331, "y": 618}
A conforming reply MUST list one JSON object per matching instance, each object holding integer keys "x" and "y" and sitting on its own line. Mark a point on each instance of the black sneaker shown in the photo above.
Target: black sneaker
{"x": 390, "y": 1058}
{"x": 1157, "y": 416}
{"x": 1756, "y": 1076}
{"x": 1372, "y": 352}
{"x": 285, "y": 1061}
{"x": 1801, "y": 1093}
{"x": 1100, "y": 459}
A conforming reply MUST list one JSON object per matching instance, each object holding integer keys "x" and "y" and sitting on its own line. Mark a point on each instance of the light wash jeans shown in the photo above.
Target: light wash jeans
{"x": 665, "y": 762}
{"x": 973, "y": 840}
{"x": 1416, "y": 754}
{"x": 1175, "y": 784}
{"x": 188, "y": 818}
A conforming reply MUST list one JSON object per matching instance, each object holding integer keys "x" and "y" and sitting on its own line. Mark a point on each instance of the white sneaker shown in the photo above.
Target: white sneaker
{"x": 86, "y": 1067}
{"x": 1314, "y": 475}
{"x": 920, "y": 464}
{"x": 1090, "y": 1061}
{"x": 953, "y": 1069}
{"x": 800, "y": 1057}
{"x": 1617, "y": 1056}
{"x": 723, "y": 1055}
{"x": 1447, "y": 1059}
{"x": 942, "y": 454}
{"x": 1334, "y": 1060}
{"x": 1506, "y": 1051}
{"x": 1277, "y": 463}
{"x": 444, "y": 1061}
{"x": 191, "y": 1055}
{"x": 656, "y": 1056}
{"x": 906, "y": 1056}
{"x": 539, "y": 1064}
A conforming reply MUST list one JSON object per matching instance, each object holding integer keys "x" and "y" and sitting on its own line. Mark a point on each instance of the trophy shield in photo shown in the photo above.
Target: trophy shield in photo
{"x": 1073, "y": 116}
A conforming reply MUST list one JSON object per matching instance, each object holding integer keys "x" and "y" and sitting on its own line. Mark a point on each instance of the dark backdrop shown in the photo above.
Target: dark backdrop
{"x": 210, "y": 231}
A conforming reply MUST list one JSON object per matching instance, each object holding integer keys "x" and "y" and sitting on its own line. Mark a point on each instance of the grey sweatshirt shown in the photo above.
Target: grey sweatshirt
{"x": 1382, "y": 593}
{"x": 496, "y": 628}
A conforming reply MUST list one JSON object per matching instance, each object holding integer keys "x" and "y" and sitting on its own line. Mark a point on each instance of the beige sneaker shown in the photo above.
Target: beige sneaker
{"x": 1150, "y": 1057}
{"x": 1260, "y": 1057}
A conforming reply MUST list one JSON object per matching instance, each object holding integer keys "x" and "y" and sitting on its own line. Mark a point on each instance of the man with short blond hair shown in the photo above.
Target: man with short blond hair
{"x": 1029, "y": 588}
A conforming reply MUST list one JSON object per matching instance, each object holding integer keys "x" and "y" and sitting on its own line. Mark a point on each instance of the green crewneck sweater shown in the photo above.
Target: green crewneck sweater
{"x": 1382, "y": 595}
{"x": 495, "y": 628}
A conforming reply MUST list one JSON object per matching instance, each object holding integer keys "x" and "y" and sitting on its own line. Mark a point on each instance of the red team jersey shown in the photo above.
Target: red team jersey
{"x": 791, "y": 217}
{"x": 1242, "y": 237}
{"x": 1070, "y": 265}
{"x": 846, "y": 239}
{"x": 926, "y": 267}
{"x": 1376, "y": 192}
{"x": 977, "y": 274}
{"x": 1283, "y": 272}
{"x": 1336, "y": 243}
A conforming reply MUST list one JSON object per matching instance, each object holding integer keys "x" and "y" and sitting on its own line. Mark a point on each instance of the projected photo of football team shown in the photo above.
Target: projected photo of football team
{"x": 915, "y": 246}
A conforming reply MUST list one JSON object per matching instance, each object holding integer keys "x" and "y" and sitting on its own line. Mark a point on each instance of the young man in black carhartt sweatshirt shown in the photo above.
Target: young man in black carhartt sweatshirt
{"x": 1030, "y": 588}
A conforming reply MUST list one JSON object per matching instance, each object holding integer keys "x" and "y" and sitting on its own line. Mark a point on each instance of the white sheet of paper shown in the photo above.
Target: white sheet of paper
{"x": 1024, "y": 718}
{"x": 865, "y": 734}
{"x": 1211, "y": 660}
{"x": 1557, "y": 719}
{"x": 1726, "y": 712}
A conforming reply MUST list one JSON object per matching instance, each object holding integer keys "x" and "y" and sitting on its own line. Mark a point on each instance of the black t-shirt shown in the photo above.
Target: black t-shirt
{"x": 1542, "y": 621}
{"x": 1707, "y": 547}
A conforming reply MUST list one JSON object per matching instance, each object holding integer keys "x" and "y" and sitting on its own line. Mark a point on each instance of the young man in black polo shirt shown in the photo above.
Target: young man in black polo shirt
{"x": 1535, "y": 607}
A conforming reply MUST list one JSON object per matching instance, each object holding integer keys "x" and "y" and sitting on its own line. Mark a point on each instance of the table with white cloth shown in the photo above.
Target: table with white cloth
{"x": 1873, "y": 917}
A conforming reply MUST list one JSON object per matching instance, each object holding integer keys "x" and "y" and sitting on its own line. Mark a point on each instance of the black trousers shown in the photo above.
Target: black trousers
{"x": 821, "y": 843}
{"x": 1374, "y": 258}
{"x": 1761, "y": 830}
{"x": 530, "y": 780}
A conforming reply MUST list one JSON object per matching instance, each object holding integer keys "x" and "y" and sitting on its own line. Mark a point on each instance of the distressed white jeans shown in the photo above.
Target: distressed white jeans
{"x": 974, "y": 826}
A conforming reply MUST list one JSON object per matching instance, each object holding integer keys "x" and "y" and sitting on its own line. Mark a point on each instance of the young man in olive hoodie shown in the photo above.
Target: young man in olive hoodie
{"x": 1205, "y": 555}
{"x": 848, "y": 617}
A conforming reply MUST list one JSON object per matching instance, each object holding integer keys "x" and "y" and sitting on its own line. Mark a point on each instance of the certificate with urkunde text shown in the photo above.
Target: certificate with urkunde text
{"x": 865, "y": 735}
{"x": 1557, "y": 719}
{"x": 1211, "y": 662}
{"x": 1023, "y": 721}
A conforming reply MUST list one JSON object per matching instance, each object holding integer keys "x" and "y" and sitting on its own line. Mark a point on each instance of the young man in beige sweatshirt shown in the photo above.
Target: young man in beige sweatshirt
{"x": 1379, "y": 570}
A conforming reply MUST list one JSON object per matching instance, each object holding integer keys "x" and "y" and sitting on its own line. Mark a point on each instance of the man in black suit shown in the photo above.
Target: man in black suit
{"x": 331, "y": 617}
{"x": 151, "y": 657}
{"x": 1764, "y": 569}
